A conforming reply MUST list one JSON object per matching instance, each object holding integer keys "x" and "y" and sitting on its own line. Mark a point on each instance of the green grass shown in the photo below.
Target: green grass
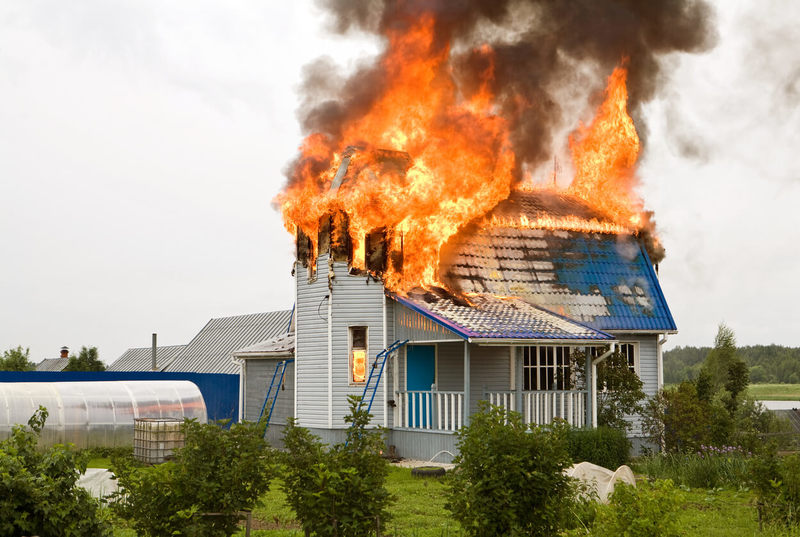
{"x": 99, "y": 462}
{"x": 774, "y": 392}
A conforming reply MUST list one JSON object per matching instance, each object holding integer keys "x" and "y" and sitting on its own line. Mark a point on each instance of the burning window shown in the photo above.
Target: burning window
{"x": 358, "y": 353}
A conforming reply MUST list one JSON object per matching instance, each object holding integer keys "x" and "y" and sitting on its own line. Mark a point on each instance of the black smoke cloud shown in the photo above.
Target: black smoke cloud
{"x": 534, "y": 46}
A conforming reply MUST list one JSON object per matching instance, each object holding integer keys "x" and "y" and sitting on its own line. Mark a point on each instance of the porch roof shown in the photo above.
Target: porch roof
{"x": 490, "y": 317}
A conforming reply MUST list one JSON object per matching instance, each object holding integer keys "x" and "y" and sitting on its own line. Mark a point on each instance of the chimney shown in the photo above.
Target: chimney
{"x": 154, "y": 353}
{"x": 65, "y": 352}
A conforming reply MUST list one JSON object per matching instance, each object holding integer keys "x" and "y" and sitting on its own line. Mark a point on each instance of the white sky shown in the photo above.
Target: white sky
{"x": 141, "y": 143}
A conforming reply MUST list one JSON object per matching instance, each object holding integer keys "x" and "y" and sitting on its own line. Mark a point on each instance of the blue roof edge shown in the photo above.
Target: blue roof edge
{"x": 654, "y": 278}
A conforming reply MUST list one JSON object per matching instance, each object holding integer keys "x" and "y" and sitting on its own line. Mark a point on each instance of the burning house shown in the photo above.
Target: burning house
{"x": 424, "y": 213}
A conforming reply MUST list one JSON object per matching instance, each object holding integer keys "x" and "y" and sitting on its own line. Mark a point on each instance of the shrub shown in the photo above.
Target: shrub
{"x": 603, "y": 446}
{"x": 776, "y": 482}
{"x": 340, "y": 491}
{"x": 38, "y": 490}
{"x": 649, "y": 510}
{"x": 217, "y": 471}
{"x": 509, "y": 478}
{"x": 678, "y": 419}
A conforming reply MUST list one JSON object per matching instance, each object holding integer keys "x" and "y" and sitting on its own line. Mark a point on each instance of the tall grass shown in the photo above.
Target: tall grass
{"x": 710, "y": 468}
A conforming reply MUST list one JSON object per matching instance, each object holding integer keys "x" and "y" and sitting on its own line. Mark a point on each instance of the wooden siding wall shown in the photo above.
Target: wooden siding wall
{"x": 415, "y": 327}
{"x": 311, "y": 345}
{"x": 259, "y": 374}
{"x": 355, "y": 301}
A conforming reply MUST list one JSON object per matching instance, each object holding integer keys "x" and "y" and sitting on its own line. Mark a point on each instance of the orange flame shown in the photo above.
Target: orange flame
{"x": 460, "y": 163}
{"x": 605, "y": 155}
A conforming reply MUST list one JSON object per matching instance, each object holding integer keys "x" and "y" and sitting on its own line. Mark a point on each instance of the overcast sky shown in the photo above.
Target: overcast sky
{"x": 141, "y": 143}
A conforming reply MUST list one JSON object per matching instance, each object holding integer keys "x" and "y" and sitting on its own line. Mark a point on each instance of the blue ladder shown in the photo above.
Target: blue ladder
{"x": 380, "y": 358}
{"x": 280, "y": 366}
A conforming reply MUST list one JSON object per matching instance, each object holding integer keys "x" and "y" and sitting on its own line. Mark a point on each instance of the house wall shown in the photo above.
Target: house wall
{"x": 354, "y": 301}
{"x": 258, "y": 374}
{"x": 648, "y": 370}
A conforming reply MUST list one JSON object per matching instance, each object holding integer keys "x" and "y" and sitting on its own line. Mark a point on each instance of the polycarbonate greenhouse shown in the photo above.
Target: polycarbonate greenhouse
{"x": 96, "y": 414}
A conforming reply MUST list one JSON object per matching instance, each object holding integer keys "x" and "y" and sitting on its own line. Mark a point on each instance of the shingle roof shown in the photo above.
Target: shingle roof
{"x": 486, "y": 316}
{"x": 603, "y": 280}
{"x": 140, "y": 358}
{"x": 210, "y": 350}
{"x": 52, "y": 364}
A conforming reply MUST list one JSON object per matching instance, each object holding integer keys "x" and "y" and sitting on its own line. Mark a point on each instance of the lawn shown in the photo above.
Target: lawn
{"x": 774, "y": 392}
{"x": 419, "y": 512}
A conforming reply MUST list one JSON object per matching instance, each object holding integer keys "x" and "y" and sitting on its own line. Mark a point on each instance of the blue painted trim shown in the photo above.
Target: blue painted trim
{"x": 654, "y": 280}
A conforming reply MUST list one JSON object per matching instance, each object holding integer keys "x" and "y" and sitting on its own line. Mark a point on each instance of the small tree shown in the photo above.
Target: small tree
{"x": 677, "y": 419}
{"x": 218, "y": 471}
{"x": 38, "y": 490}
{"x": 509, "y": 478}
{"x": 339, "y": 491}
{"x": 16, "y": 360}
{"x": 723, "y": 360}
{"x": 87, "y": 360}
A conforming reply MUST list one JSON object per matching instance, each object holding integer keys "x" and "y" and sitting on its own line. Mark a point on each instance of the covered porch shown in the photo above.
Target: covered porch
{"x": 540, "y": 365}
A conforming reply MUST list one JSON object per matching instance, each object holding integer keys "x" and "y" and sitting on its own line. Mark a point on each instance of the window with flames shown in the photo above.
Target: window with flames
{"x": 358, "y": 354}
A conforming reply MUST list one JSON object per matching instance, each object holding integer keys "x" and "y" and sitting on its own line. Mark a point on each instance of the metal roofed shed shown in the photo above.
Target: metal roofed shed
{"x": 52, "y": 364}
{"x": 97, "y": 414}
{"x": 140, "y": 358}
{"x": 210, "y": 350}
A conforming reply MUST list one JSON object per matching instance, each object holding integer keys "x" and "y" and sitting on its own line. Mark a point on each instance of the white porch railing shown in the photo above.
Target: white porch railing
{"x": 542, "y": 407}
{"x": 430, "y": 410}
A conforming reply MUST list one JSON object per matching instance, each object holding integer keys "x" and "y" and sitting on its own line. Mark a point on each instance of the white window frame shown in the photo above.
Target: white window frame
{"x": 634, "y": 348}
{"x": 543, "y": 369}
{"x": 350, "y": 380}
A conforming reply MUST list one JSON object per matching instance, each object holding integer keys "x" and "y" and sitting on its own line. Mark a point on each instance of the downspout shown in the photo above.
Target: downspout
{"x": 597, "y": 361}
{"x": 385, "y": 345}
{"x": 242, "y": 381}
{"x": 660, "y": 372}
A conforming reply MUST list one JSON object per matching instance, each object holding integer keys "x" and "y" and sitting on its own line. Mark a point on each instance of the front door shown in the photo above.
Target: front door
{"x": 420, "y": 374}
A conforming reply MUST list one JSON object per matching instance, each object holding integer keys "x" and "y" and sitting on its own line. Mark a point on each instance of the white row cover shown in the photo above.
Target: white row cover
{"x": 97, "y": 414}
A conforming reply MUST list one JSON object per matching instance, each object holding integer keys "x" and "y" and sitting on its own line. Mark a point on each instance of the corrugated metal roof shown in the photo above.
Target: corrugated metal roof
{"x": 487, "y": 316}
{"x": 52, "y": 364}
{"x": 603, "y": 280}
{"x": 140, "y": 358}
{"x": 210, "y": 350}
{"x": 281, "y": 345}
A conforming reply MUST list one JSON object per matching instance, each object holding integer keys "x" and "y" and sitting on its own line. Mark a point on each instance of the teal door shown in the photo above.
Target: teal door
{"x": 420, "y": 374}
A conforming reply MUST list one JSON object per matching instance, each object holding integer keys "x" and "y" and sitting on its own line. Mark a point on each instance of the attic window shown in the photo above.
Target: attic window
{"x": 358, "y": 354}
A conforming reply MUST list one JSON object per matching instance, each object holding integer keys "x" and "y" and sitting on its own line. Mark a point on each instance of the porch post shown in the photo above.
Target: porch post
{"x": 518, "y": 379}
{"x": 466, "y": 383}
{"x": 589, "y": 395}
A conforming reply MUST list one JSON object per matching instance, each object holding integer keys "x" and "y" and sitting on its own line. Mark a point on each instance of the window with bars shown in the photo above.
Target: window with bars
{"x": 546, "y": 368}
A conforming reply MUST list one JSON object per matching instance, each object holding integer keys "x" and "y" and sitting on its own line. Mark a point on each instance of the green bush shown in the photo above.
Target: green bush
{"x": 509, "y": 478}
{"x": 603, "y": 446}
{"x": 38, "y": 490}
{"x": 341, "y": 491}
{"x": 217, "y": 471}
{"x": 776, "y": 482}
{"x": 649, "y": 510}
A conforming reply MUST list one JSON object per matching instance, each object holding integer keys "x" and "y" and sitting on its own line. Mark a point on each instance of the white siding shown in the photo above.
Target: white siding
{"x": 259, "y": 374}
{"x": 311, "y": 346}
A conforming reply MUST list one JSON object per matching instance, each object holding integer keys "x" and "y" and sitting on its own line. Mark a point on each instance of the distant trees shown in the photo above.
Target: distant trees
{"x": 16, "y": 360}
{"x": 87, "y": 360}
{"x": 774, "y": 364}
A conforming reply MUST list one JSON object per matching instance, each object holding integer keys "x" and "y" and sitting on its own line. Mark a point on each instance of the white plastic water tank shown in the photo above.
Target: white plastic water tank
{"x": 97, "y": 414}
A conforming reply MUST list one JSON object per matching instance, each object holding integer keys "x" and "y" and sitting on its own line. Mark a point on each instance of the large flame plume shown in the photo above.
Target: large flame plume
{"x": 472, "y": 115}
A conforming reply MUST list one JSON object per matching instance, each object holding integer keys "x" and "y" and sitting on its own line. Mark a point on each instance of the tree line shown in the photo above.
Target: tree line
{"x": 19, "y": 359}
{"x": 773, "y": 364}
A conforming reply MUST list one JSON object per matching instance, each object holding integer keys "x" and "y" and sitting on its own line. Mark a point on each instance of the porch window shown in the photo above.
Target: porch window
{"x": 546, "y": 368}
{"x": 358, "y": 354}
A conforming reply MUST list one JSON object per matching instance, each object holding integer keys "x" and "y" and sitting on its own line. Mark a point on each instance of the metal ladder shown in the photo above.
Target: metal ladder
{"x": 280, "y": 366}
{"x": 379, "y": 364}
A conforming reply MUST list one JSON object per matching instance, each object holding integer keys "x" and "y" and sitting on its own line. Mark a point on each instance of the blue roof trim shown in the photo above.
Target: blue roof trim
{"x": 654, "y": 278}
{"x": 466, "y": 333}
{"x": 456, "y": 329}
